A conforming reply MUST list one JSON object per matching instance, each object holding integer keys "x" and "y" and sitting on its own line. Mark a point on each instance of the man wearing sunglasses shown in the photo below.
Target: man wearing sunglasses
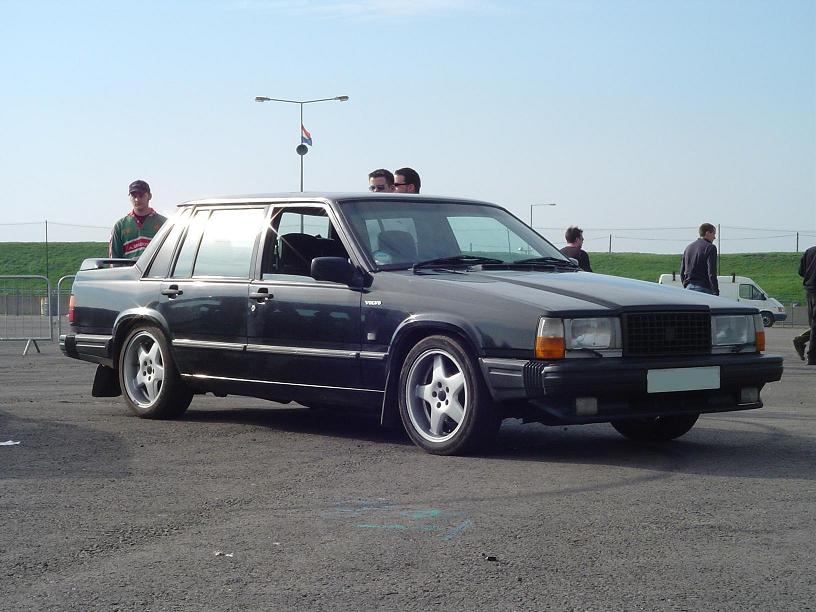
{"x": 133, "y": 232}
{"x": 381, "y": 180}
{"x": 406, "y": 180}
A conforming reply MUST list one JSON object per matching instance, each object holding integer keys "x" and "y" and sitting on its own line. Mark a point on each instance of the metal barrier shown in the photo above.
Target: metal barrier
{"x": 797, "y": 315}
{"x": 63, "y": 299}
{"x": 25, "y": 309}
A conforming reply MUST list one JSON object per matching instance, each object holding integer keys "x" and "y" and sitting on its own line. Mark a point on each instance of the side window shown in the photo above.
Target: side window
{"x": 297, "y": 236}
{"x": 294, "y": 222}
{"x": 184, "y": 263}
{"x": 161, "y": 262}
{"x": 228, "y": 243}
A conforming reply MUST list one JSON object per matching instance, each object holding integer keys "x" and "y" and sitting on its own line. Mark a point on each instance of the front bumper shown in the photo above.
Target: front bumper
{"x": 604, "y": 389}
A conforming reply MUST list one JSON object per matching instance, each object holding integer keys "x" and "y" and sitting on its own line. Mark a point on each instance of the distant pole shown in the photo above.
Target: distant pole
{"x": 797, "y": 242}
{"x": 46, "y": 248}
{"x": 610, "y": 243}
{"x": 301, "y": 157}
{"x": 532, "y": 206}
{"x": 301, "y": 149}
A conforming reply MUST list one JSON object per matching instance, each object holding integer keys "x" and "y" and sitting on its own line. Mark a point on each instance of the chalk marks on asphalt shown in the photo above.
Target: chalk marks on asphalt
{"x": 382, "y": 515}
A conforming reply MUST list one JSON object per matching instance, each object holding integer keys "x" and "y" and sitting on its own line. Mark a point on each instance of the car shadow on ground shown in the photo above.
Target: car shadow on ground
{"x": 722, "y": 445}
{"x": 754, "y": 445}
{"x": 336, "y": 423}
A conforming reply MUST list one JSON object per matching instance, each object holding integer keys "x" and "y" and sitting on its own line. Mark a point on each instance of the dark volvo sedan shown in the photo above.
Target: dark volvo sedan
{"x": 447, "y": 315}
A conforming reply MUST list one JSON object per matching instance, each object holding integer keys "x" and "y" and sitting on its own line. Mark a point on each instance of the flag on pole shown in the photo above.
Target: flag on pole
{"x": 305, "y": 136}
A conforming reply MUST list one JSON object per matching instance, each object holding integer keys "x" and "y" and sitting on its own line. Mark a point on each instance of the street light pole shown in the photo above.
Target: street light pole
{"x": 301, "y": 149}
{"x": 533, "y": 206}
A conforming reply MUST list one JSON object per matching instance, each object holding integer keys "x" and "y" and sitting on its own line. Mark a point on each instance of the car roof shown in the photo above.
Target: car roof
{"x": 323, "y": 197}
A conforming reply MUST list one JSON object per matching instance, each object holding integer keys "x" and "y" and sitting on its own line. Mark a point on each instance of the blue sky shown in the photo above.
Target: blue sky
{"x": 626, "y": 114}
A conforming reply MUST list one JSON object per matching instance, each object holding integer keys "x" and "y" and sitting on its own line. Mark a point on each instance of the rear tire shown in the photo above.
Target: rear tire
{"x": 444, "y": 404}
{"x": 656, "y": 429}
{"x": 149, "y": 380}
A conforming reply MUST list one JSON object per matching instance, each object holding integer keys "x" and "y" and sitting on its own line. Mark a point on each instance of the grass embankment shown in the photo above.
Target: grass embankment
{"x": 774, "y": 272}
{"x": 63, "y": 257}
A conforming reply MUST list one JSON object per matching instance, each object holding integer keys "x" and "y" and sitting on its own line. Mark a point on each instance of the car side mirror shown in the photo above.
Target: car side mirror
{"x": 333, "y": 269}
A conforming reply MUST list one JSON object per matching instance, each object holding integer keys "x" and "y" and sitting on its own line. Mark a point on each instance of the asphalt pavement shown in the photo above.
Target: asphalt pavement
{"x": 250, "y": 505}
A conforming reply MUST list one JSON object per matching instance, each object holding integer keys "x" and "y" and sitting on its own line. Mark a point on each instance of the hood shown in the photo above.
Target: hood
{"x": 579, "y": 292}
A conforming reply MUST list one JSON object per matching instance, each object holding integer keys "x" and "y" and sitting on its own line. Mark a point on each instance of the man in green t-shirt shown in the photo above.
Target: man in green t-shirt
{"x": 133, "y": 232}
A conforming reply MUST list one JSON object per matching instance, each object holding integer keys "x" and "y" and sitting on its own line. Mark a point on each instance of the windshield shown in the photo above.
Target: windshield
{"x": 398, "y": 234}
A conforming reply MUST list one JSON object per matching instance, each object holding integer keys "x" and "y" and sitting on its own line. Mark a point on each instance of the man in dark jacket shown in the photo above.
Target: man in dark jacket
{"x": 575, "y": 241}
{"x": 698, "y": 271}
{"x": 807, "y": 270}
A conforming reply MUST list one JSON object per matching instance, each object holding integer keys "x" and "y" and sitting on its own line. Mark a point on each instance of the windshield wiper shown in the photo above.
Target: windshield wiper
{"x": 545, "y": 260}
{"x": 455, "y": 260}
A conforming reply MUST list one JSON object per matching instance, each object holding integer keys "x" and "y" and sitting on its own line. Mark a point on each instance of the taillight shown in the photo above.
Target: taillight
{"x": 759, "y": 328}
{"x": 71, "y": 303}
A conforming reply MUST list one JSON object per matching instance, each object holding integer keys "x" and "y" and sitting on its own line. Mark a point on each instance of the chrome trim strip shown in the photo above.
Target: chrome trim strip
{"x": 206, "y": 344}
{"x": 504, "y": 367}
{"x": 272, "y": 382}
{"x": 92, "y": 339}
{"x": 296, "y": 350}
{"x": 278, "y": 350}
{"x": 301, "y": 351}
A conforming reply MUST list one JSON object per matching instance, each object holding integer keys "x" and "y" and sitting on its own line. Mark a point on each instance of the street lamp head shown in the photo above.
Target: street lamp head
{"x": 262, "y": 99}
{"x": 342, "y": 98}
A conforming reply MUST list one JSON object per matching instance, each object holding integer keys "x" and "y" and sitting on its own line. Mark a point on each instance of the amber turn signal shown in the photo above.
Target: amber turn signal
{"x": 549, "y": 348}
{"x": 549, "y": 342}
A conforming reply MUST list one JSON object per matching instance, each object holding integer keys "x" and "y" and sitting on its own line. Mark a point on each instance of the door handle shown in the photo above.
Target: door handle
{"x": 261, "y": 294}
{"x": 172, "y": 291}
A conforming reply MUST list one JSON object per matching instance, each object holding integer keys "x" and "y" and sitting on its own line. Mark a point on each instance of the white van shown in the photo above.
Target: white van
{"x": 742, "y": 289}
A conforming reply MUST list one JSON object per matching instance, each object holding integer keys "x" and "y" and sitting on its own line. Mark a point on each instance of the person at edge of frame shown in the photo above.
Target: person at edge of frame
{"x": 807, "y": 270}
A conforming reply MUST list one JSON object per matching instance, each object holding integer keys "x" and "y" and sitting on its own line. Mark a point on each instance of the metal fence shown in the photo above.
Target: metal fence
{"x": 26, "y": 309}
{"x": 797, "y": 315}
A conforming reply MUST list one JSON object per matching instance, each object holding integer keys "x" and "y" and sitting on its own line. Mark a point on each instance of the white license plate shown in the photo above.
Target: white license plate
{"x": 682, "y": 379}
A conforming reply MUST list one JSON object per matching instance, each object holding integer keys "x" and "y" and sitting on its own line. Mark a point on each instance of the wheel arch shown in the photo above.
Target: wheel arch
{"x": 127, "y": 320}
{"x": 406, "y": 336}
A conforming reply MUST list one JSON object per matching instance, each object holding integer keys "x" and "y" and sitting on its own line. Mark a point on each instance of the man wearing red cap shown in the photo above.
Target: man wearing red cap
{"x": 133, "y": 232}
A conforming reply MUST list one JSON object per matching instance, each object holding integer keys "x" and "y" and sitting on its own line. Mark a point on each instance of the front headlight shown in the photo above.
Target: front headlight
{"x": 592, "y": 334}
{"x": 735, "y": 333}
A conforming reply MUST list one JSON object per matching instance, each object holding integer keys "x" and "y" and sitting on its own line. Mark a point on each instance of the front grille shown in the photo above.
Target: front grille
{"x": 648, "y": 334}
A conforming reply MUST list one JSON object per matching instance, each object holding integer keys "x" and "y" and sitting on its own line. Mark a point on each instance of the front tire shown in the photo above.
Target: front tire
{"x": 656, "y": 429}
{"x": 444, "y": 403}
{"x": 767, "y": 319}
{"x": 149, "y": 380}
